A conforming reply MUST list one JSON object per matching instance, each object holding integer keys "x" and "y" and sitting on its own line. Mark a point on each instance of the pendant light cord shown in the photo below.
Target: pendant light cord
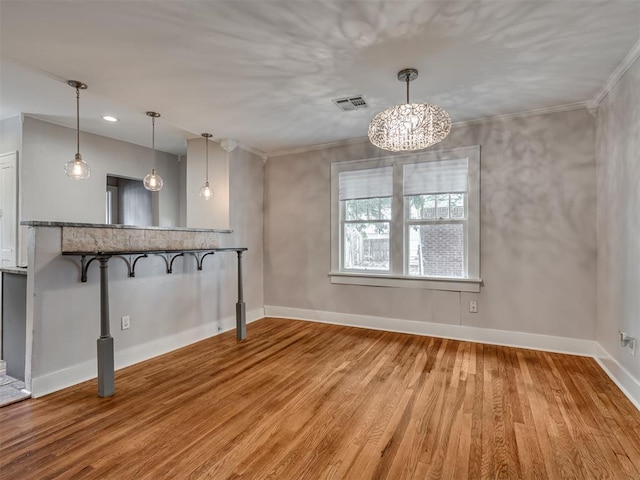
{"x": 207, "y": 158}
{"x": 408, "y": 80}
{"x": 153, "y": 144}
{"x": 78, "y": 120}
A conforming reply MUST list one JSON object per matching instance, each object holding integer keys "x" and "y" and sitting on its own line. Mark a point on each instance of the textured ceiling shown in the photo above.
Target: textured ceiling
{"x": 264, "y": 72}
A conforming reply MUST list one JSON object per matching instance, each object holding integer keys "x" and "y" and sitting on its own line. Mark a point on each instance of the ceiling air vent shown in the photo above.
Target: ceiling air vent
{"x": 351, "y": 103}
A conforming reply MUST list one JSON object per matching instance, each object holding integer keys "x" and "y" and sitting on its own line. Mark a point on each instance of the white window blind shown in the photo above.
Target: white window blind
{"x": 443, "y": 176}
{"x": 366, "y": 183}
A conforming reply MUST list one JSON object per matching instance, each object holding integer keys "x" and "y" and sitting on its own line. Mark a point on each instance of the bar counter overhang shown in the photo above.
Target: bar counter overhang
{"x": 99, "y": 242}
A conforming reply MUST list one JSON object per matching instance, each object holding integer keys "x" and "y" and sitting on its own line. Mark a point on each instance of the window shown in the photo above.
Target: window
{"x": 413, "y": 219}
{"x": 365, "y": 210}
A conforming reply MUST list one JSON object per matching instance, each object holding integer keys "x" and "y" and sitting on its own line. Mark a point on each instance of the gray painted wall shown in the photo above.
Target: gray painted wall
{"x": 182, "y": 192}
{"x": 49, "y": 195}
{"x": 164, "y": 309}
{"x": 246, "y": 220}
{"x": 538, "y": 233}
{"x": 45, "y": 193}
{"x": 213, "y": 213}
{"x": 618, "y": 159}
{"x": 10, "y": 135}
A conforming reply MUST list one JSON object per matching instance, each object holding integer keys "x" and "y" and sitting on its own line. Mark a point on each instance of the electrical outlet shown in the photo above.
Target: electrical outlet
{"x": 125, "y": 322}
{"x": 628, "y": 342}
{"x": 473, "y": 306}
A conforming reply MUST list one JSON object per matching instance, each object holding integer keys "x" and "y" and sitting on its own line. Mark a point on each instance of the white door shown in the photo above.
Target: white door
{"x": 8, "y": 209}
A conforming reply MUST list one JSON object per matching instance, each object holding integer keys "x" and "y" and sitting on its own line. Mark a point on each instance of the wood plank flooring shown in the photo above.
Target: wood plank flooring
{"x": 301, "y": 400}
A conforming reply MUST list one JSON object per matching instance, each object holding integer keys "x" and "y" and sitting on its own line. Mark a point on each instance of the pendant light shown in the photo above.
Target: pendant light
{"x": 153, "y": 181}
{"x": 408, "y": 127}
{"x": 206, "y": 191}
{"x": 77, "y": 168}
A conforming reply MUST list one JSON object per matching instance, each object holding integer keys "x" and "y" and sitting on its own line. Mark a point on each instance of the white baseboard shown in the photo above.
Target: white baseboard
{"x": 620, "y": 376}
{"x": 81, "y": 372}
{"x": 547, "y": 343}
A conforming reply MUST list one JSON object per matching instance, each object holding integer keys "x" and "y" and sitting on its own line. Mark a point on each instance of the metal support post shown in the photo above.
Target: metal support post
{"x": 241, "y": 309}
{"x": 106, "y": 375}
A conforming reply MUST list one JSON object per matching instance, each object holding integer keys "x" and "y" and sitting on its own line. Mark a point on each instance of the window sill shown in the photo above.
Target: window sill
{"x": 399, "y": 281}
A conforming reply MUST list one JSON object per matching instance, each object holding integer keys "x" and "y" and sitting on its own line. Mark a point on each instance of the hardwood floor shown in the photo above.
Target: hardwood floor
{"x": 301, "y": 400}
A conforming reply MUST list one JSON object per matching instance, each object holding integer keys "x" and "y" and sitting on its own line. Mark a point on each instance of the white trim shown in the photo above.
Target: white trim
{"x": 320, "y": 146}
{"x": 258, "y": 153}
{"x": 615, "y": 76}
{"x": 546, "y": 343}
{"x": 400, "y": 281}
{"x": 626, "y": 382}
{"x": 528, "y": 113}
{"x": 78, "y": 373}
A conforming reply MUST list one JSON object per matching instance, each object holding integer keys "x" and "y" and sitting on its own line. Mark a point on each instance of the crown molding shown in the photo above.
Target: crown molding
{"x": 528, "y": 113}
{"x": 617, "y": 74}
{"x": 508, "y": 116}
{"x": 320, "y": 146}
{"x": 229, "y": 144}
{"x": 258, "y": 153}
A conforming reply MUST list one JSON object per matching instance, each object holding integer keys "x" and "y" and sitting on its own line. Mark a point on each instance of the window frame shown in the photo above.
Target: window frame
{"x": 400, "y": 223}
{"x": 344, "y": 221}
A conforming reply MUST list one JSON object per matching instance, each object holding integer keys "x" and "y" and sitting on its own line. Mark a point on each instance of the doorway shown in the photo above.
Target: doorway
{"x": 128, "y": 202}
{"x": 8, "y": 208}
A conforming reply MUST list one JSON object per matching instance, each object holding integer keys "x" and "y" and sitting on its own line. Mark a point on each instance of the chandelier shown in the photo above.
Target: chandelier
{"x": 408, "y": 127}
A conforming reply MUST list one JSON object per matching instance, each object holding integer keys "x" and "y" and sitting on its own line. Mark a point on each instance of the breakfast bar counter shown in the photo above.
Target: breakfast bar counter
{"x": 99, "y": 243}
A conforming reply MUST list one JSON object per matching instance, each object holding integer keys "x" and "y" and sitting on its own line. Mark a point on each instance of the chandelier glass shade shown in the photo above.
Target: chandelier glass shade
{"x": 411, "y": 126}
{"x": 77, "y": 169}
{"x": 152, "y": 181}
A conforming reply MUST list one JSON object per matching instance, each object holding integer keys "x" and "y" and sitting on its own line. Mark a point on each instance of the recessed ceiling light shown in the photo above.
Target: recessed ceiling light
{"x": 109, "y": 118}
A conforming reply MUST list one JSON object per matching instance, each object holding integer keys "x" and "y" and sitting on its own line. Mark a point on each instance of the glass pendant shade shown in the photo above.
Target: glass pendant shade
{"x": 206, "y": 192}
{"x": 153, "y": 182}
{"x": 411, "y": 126}
{"x": 77, "y": 168}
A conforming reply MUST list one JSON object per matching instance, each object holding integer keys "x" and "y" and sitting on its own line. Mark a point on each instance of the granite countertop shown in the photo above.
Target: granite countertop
{"x": 18, "y": 270}
{"x": 41, "y": 223}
